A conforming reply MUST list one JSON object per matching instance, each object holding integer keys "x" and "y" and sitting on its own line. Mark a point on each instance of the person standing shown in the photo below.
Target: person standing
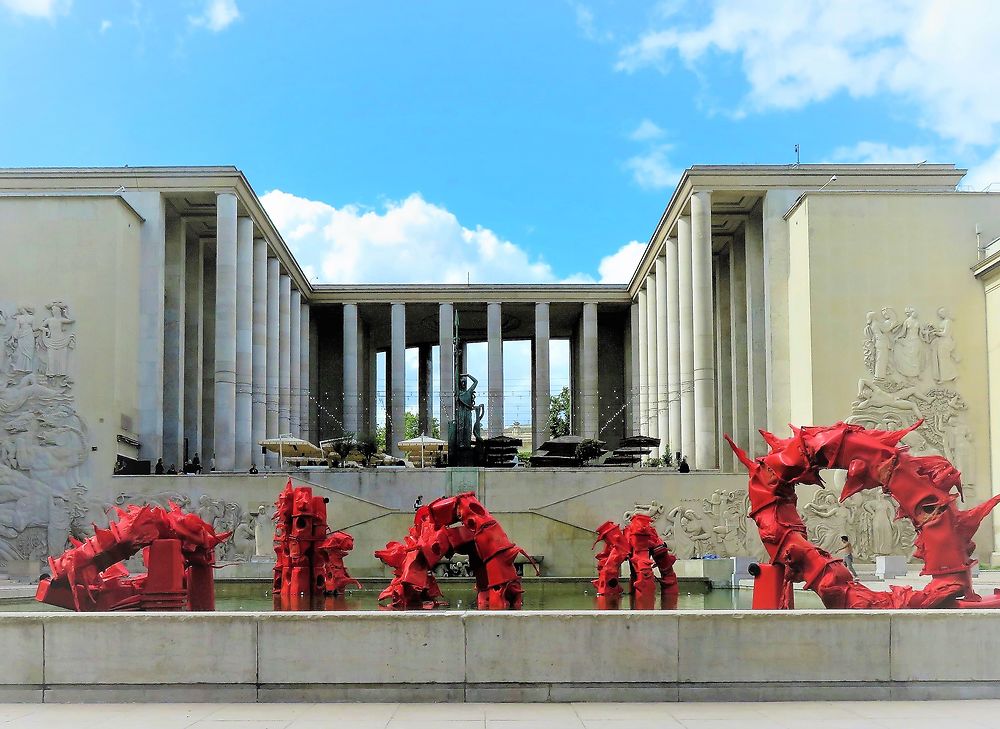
{"x": 848, "y": 551}
{"x": 683, "y": 466}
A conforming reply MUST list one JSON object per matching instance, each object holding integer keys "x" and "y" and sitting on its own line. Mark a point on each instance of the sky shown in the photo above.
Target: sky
{"x": 516, "y": 141}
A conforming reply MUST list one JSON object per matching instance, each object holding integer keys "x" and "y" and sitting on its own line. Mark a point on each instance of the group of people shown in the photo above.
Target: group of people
{"x": 192, "y": 466}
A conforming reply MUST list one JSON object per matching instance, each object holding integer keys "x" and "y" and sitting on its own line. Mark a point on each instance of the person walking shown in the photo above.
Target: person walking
{"x": 683, "y": 466}
{"x": 848, "y": 551}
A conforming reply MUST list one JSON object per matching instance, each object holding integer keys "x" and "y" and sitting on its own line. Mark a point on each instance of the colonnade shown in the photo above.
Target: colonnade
{"x": 236, "y": 345}
{"x": 698, "y": 333}
{"x": 357, "y": 356}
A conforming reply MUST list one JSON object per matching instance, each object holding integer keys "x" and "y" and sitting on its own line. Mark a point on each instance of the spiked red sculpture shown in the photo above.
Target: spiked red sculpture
{"x": 921, "y": 485}
{"x": 309, "y": 561}
{"x": 446, "y": 526}
{"x": 641, "y": 546}
{"x": 179, "y": 552}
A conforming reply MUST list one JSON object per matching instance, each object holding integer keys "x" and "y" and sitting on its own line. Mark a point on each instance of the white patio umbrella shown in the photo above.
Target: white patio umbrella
{"x": 422, "y": 442}
{"x": 288, "y": 445}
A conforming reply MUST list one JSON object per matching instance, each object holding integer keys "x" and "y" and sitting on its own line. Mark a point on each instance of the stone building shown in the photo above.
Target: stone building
{"x": 157, "y": 313}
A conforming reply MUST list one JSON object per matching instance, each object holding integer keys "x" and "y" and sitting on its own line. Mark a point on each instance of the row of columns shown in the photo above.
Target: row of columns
{"x": 698, "y": 331}
{"x": 353, "y": 355}
{"x": 237, "y": 339}
{"x": 673, "y": 338}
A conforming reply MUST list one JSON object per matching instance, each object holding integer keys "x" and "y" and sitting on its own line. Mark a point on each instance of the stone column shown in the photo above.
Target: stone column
{"x": 295, "y": 363}
{"x": 225, "y": 333}
{"x": 633, "y": 365}
{"x": 397, "y": 367}
{"x": 662, "y": 380}
{"x": 173, "y": 342}
{"x": 642, "y": 359}
{"x": 738, "y": 332}
{"x": 425, "y": 389}
{"x": 273, "y": 353}
{"x": 673, "y": 348}
{"x": 371, "y": 363}
{"x": 305, "y": 359}
{"x": 351, "y": 372}
{"x": 207, "y": 356}
{"x": 652, "y": 381}
{"x": 446, "y": 363}
{"x": 706, "y": 438}
{"x": 494, "y": 345}
{"x": 258, "y": 428}
{"x": 541, "y": 387}
{"x": 244, "y": 343}
{"x": 686, "y": 338}
{"x": 149, "y": 344}
{"x": 284, "y": 354}
{"x": 724, "y": 353}
{"x": 193, "y": 292}
{"x": 757, "y": 385}
{"x": 589, "y": 393}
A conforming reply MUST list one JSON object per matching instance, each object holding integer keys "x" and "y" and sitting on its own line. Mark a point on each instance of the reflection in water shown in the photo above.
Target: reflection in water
{"x": 538, "y": 595}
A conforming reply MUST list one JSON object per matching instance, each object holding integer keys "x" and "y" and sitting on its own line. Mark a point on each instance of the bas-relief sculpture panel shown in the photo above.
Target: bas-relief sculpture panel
{"x": 252, "y": 532}
{"x": 911, "y": 374}
{"x": 44, "y": 446}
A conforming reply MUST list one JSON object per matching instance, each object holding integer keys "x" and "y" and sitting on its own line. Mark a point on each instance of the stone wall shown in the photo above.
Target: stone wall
{"x": 526, "y": 656}
{"x": 549, "y": 512}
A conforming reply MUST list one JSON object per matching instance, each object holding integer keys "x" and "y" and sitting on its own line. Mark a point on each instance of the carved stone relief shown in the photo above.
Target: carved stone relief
{"x": 223, "y": 515}
{"x": 911, "y": 375}
{"x": 44, "y": 445}
{"x": 720, "y": 525}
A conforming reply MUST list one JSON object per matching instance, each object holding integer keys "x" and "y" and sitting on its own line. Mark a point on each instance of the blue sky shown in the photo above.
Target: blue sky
{"x": 516, "y": 141}
{"x": 512, "y": 141}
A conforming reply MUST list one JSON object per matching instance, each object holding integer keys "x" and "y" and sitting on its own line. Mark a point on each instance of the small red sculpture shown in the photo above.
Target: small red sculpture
{"x": 446, "y": 526}
{"x": 308, "y": 559}
{"x": 922, "y": 487}
{"x": 179, "y": 552}
{"x": 642, "y": 547}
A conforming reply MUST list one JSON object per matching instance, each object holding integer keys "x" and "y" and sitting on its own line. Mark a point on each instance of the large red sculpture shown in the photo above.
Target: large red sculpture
{"x": 922, "y": 487}
{"x": 309, "y": 561}
{"x": 447, "y": 526}
{"x": 640, "y": 545}
{"x": 179, "y": 552}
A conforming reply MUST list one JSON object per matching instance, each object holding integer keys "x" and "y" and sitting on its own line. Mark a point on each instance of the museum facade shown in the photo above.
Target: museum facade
{"x": 158, "y": 313}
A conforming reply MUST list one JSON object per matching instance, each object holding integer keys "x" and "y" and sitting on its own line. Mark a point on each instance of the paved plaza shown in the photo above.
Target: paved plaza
{"x": 811, "y": 714}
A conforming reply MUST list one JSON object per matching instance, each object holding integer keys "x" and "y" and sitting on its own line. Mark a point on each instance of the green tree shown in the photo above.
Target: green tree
{"x": 411, "y": 427}
{"x": 368, "y": 446}
{"x": 558, "y": 414}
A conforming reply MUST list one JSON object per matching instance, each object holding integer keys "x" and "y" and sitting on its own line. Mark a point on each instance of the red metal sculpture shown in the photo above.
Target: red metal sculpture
{"x": 642, "y": 547}
{"x": 447, "y": 526}
{"x": 179, "y": 552}
{"x": 309, "y": 560}
{"x": 922, "y": 487}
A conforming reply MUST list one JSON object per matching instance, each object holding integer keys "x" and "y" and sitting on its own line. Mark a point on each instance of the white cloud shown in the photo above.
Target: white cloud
{"x": 620, "y": 265}
{"x": 936, "y": 55}
{"x": 646, "y": 131}
{"x": 652, "y": 170}
{"x": 105, "y": 26}
{"x": 409, "y": 241}
{"x": 588, "y": 28}
{"x": 881, "y": 153}
{"x": 37, "y": 8}
{"x": 985, "y": 175}
{"x": 218, "y": 15}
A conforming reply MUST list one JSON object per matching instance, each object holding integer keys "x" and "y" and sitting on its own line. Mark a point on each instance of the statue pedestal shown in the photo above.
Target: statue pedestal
{"x": 889, "y": 567}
